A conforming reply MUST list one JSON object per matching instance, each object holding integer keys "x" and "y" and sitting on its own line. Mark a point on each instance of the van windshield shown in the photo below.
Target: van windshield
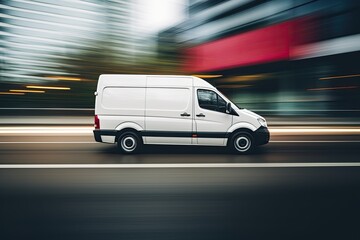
{"x": 237, "y": 105}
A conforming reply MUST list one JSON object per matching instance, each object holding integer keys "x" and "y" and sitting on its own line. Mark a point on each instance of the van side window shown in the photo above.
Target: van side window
{"x": 211, "y": 101}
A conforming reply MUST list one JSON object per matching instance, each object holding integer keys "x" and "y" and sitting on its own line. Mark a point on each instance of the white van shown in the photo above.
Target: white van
{"x": 132, "y": 110}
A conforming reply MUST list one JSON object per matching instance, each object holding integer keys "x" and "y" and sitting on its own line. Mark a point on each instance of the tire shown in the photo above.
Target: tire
{"x": 242, "y": 142}
{"x": 129, "y": 143}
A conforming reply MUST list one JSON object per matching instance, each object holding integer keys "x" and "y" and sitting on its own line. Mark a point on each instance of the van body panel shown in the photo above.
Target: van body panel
{"x": 198, "y": 82}
{"x": 119, "y": 122}
{"x": 211, "y": 141}
{"x": 167, "y": 140}
{"x": 120, "y": 95}
{"x": 168, "y": 102}
{"x": 113, "y": 98}
{"x": 123, "y": 80}
{"x": 120, "y": 99}
{"x": 108, "y": 139}
{"x": 248, "y": 121}
{"x": 168, "y": 107}
{"x": 169, "y": 81}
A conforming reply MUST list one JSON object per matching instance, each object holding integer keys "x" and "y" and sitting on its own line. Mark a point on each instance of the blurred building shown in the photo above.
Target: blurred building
{"x": 66, "y": 43}
{"x": 38, "y": 36}
{"x": 280, "y": 55}
{"x": 169, "y": 51}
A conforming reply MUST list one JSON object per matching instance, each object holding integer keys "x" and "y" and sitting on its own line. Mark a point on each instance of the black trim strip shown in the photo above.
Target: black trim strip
{"x": 213, "y": 134}
{"x": 168, "y": 134}
{"x": 165, "y": 134}
{"x": 185, "y": 134}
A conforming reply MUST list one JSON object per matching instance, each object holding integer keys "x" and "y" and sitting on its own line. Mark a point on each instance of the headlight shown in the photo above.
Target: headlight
{"x": 262, "y": 122}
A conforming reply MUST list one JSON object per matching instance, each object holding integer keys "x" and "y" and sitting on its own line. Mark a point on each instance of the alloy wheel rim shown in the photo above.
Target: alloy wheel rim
{"x": 242, "y": 143}
{"x": 128, "y": 143}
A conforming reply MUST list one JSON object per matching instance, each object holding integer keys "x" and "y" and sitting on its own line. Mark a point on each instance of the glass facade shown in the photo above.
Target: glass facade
{"x": 67, "y": 44}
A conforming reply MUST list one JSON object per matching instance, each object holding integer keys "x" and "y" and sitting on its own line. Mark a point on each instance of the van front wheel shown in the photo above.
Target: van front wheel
{"x": 241, "y": 142}
{"x": 129, "y": 142}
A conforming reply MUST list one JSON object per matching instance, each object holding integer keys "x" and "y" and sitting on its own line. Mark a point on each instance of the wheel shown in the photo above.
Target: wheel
{"x": 129, "y": 142}
{"x": 242, "y": 142}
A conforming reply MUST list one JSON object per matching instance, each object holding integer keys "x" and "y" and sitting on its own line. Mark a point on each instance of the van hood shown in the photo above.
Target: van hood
{"x": 252, "y": 114}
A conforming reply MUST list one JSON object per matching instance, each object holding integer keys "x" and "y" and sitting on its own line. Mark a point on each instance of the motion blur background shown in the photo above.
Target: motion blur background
{"x": 278, "y": 57}
{"x": 295, "y": 62}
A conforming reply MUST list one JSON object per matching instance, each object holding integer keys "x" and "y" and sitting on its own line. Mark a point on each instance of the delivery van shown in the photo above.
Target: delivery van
{"x": 132, "y": 110}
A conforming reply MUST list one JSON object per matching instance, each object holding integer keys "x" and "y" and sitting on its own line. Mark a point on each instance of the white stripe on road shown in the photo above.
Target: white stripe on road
{"x": 65, "y": 109}
{"x": 46, "y": 130}
{"x": 47, "y": 142}
{"x": 314, "y": 130}
{"x": 320, "y": 141}
{"x": 300, "y": 141}
{"x": 178, "y": 165}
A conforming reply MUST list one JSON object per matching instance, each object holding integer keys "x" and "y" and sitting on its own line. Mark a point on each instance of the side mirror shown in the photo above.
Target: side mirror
{"x": 228, "y": 108}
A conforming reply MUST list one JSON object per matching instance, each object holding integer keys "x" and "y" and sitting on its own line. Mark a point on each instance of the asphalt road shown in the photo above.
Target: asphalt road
{"x": 63, "y": 148}
{"x": 289, "y": 201}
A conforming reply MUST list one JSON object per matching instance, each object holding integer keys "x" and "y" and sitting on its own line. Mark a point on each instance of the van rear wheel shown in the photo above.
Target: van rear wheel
{"x": 242, "y": 142}
{"x": 129, "y": 142}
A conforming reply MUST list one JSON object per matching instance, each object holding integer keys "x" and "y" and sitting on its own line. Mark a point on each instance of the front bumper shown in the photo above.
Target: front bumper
{"x": 261, "y": 136}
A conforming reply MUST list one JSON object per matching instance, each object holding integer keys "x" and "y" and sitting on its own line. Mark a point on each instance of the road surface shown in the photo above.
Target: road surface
{"x": 299, "y": 186}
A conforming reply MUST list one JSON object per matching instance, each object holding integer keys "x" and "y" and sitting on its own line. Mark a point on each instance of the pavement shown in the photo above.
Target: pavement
{"x": 180, "y": 203}
{"x": 56, "y": 182}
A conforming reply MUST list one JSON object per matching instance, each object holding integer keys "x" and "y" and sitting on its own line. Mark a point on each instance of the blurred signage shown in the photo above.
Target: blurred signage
{"x": 268, "y": 44}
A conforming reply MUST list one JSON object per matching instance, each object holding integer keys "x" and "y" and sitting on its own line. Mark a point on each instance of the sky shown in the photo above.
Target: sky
{"x": 161, "y": 14}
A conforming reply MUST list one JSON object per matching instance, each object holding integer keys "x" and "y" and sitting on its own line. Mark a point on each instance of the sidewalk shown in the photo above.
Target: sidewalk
{"x": 47, "y": 120}
{"x": 312, "y": 121}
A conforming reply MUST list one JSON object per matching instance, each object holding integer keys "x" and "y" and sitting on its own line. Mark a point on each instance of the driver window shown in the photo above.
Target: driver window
{"x": 211, "y": 101}
{"x": 221, "y": 104}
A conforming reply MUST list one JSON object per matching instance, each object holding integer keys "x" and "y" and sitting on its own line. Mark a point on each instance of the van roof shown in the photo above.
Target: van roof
{"x": 197, "y": 82}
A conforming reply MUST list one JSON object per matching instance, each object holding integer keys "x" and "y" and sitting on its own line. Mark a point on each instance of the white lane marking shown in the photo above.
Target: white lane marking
{"x": 341, "y": 141}
{"x": 296, "y": 141}
{"x": 54, "y": 109}
{"x": 46, "y": 142}
{"x": 320, "y": 141}
{"x": 179, "y": 165}
{"x": 51, "y": 128}
{"x": 43, "y": 130}
{"x": 314, "y": 130}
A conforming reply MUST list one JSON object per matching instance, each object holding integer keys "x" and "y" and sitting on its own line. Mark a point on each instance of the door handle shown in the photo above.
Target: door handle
{"x": 185, "y": 114}
{"x": 200, "y": 115}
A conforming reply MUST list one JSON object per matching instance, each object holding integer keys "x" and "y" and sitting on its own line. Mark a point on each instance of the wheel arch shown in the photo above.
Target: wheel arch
{"x": 240, "y": 127}
{"x": 128, "y": 126}
{"x": 232, "y": 134}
